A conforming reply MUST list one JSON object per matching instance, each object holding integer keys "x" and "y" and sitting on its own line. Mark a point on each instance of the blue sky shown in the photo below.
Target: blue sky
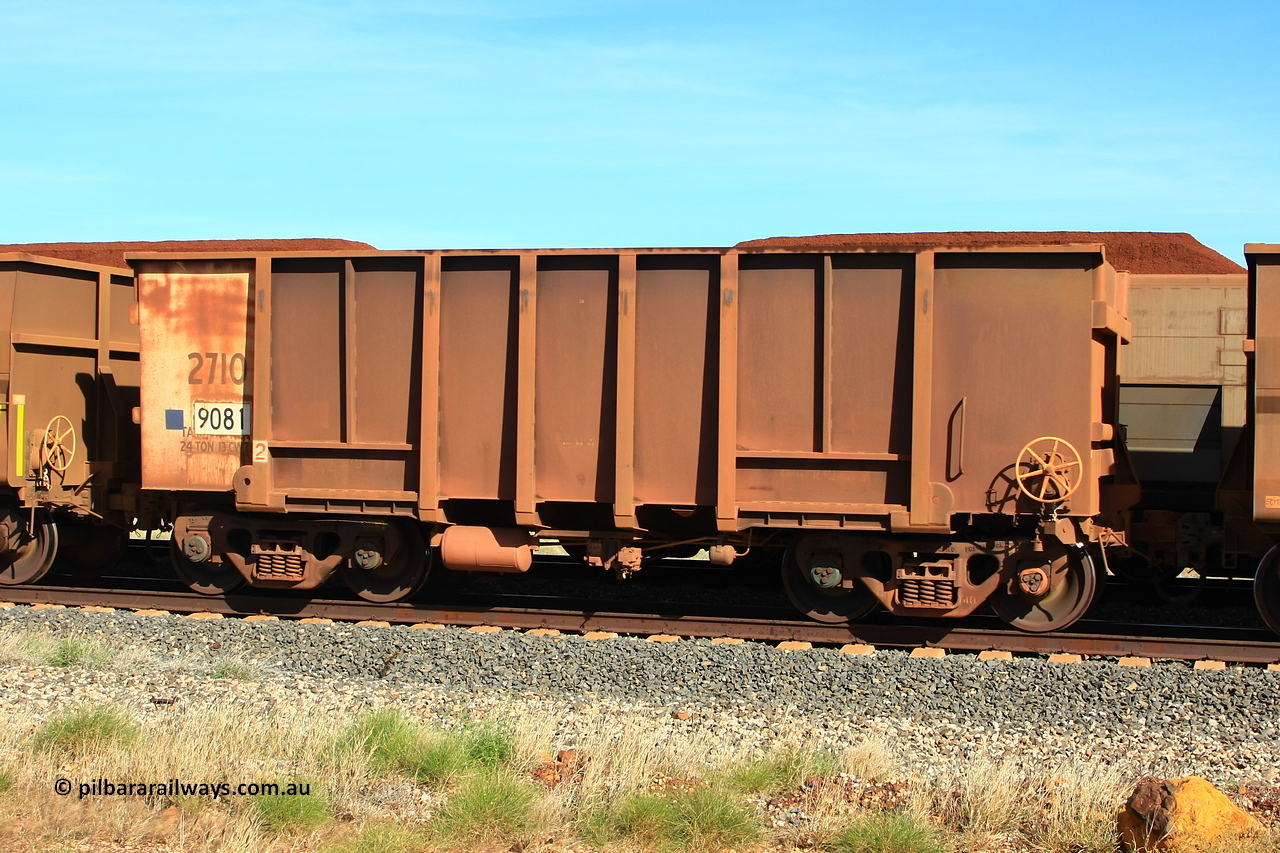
{"x": 569, "y": 123}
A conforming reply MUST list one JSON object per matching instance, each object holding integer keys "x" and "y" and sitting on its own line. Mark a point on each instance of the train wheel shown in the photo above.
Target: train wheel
{"x": 1266, "y": 589}
{"x": 804, "y": 586}
{"x": 396, "y": 578}
{"x": 1073, "y": 587}
{"x": 28, "y": 554}
{"x": 205, "y": 578}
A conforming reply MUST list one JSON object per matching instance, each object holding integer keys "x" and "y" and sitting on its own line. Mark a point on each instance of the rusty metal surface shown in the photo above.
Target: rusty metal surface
{"x": 197, "y": 358}
{"x": 1012, "y": 345}
{"x": 1264, "y": 407}
{"x": 477, "y": 368}
{"x": 67, "y": 350}
{"x": 674, "y": 387}
{"x": 940, "y": 636}
{"x": 599, "y": 393}
{"x": 579, "y": 385}
{"x": 575, "y": 387}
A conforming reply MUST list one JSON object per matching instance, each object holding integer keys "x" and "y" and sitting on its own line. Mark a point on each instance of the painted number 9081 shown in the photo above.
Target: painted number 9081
{"x": 221, "y": 419}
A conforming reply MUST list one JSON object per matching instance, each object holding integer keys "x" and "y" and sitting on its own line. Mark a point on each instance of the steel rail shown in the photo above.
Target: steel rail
{"x": 1225, "y": 646}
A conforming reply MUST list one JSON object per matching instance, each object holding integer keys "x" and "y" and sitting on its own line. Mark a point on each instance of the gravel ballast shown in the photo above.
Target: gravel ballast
{"x": 932, "y": 715}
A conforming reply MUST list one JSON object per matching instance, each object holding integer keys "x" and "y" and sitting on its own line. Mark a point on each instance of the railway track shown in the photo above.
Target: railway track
{"x": 1235, "y": 645}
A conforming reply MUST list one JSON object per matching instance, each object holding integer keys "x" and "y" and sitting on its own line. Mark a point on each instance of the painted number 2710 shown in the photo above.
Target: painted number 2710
{"x": 216, "y": 368}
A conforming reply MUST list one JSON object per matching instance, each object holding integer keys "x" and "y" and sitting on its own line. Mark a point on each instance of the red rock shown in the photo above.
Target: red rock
{"x": 1181, "y": 816}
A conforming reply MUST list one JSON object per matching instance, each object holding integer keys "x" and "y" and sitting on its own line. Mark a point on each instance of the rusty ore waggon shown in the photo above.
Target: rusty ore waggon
{"x": 1255, "y": 482}
{"x": 69, "y": 383}
{"x": 921, "y": 429}
{"x": 1183, "y": 399}
{"x": 1196, "y": 384}
{"x": 320, "y": 412}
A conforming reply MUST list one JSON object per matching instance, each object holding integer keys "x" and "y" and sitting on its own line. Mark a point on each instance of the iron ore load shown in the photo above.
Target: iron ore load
{"x": 924, "y": 429}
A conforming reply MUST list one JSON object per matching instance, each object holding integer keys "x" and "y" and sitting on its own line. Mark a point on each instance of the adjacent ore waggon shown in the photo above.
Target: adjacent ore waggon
{"x": 69, "y": 384}
{"x": 1183, "y": 400}
{"x": 1256, "y": 494}
{"x": 920, "y": 429}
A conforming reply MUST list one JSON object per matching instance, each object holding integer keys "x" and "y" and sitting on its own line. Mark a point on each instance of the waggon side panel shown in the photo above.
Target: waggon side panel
{"x": 307, "y": 393}
{"x": 824, "y": 354}
{"x": 344, "y": 360}
{"x": 66, "y": 352}
{"x": 575, "y": 380}
{"x": 385, "y": 305}
{"x": 779, "y": 362}
{"x": 196, "y": 332}
{"x": 871, "y": 345}
{"x": 477, "y": 365}
{"x": 676, "y": 358}
{"x": 1012, "y": 362}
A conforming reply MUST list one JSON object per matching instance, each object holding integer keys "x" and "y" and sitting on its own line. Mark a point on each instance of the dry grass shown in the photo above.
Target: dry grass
{"x": 870, "y": 759}
{"x": 988, "y": 805}
{"x": 642, "y": 783}
{"x": 388, "y": 781}
{"x": 42, "y": 648}
{"x": 35, "y": 648}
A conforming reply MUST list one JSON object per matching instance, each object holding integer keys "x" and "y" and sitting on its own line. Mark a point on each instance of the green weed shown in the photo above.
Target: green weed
{"x": 490, "y": 745}
{"x": 233, "y": 670}
{"x": 887, "y": 833}
{"x": 84, "y": 728}
{"x": 428, "y": 755}
{"x": 379, "y": 838}
{"x": 76, "y": 651}
{"x": 781, "y": 771}
{"x": 281, "y": 813}
{"x": 703, "y": 818}
{"x": 486, "y": 806}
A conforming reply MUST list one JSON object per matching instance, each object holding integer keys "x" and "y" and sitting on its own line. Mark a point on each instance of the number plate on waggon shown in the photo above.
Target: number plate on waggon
{"x": 221, "y": 418}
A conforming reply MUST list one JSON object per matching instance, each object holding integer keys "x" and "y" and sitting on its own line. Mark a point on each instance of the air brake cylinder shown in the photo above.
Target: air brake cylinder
{"x": 487, "y": 549}
{"x": 722, "y": 555}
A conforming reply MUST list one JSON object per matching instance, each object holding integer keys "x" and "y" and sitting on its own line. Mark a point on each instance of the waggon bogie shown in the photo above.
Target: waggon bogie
{"x": 1042, "y": 583}
{"x": 379, "y": 559}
